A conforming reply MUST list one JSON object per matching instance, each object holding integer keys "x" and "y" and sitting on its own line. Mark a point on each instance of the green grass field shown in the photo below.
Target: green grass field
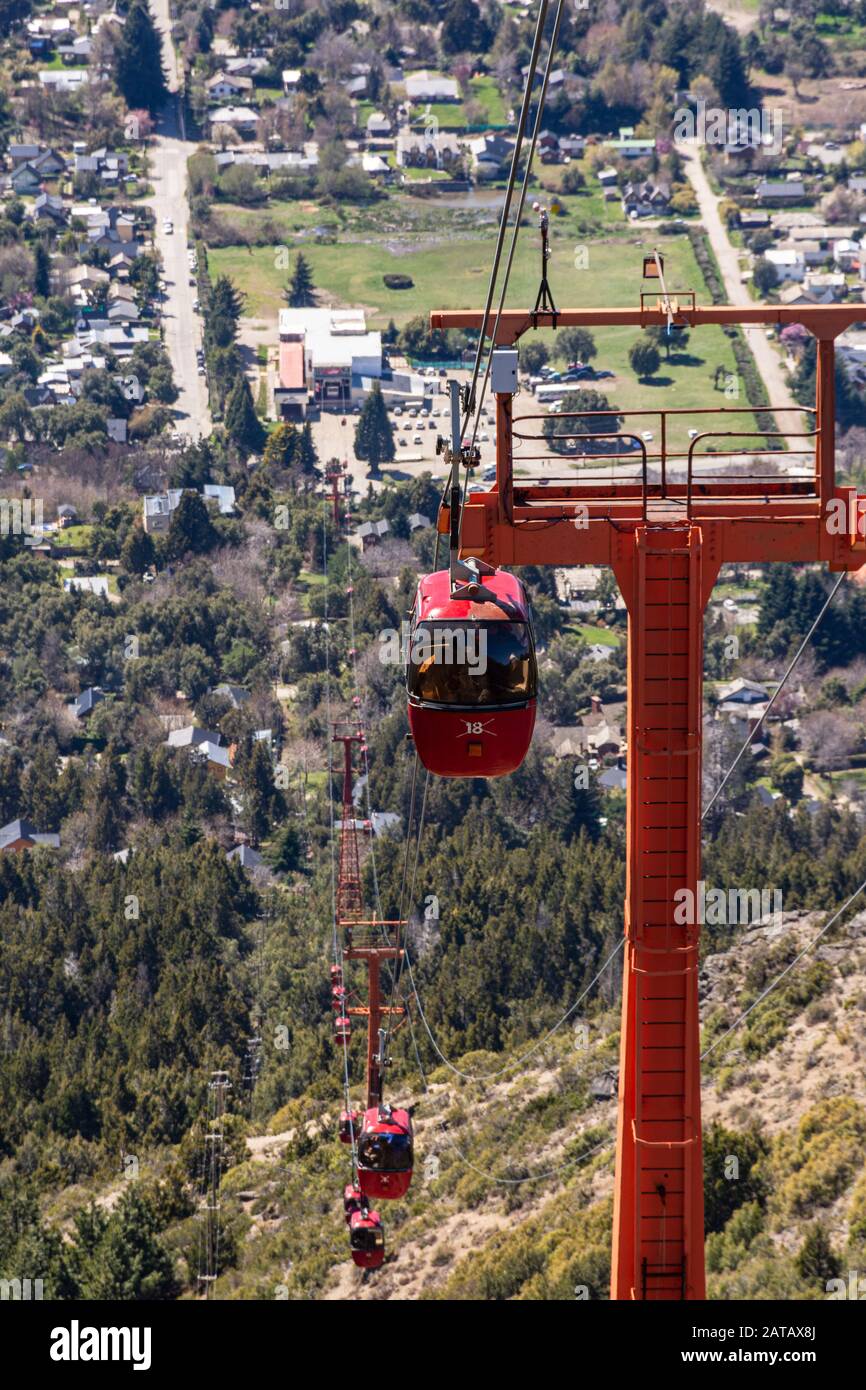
{"x": 451, "y": 276}
{"x": 604, "y": 636}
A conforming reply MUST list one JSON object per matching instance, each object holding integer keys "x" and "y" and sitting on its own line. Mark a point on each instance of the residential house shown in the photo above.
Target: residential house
{"x": 608, "y": 177}
{"x": 379, "y": 126}
{"x": 418, "y": 149}
{"x": 431, "y": 86}
{"x": 242, "y": 119}
{"x": 555, "y": 81}
{"x": 235, "y": 694}
{"x": 245, "y": 65}
{"x": 49, "y": 163}
{"x": 224, "y": 496}
{"x": 604, "y": 727}
{"x": 191, "y": 736}
{"x": 215, "y": 758}
{"x": 742, "y": 692}
{"x": 25, "y": 180}
{"x": 572, "y": 146}
{"x": 225, "y": 87}
{"x": 123, "y": 310}
{"x": 578, "y": 584}
{"x": 417, "y": 521}
{"x": 825, "y": 287}
{"x": 246, "y": 857}
{"x": 157, "y": 510}
{"x": 23, "y": 154}
{"x": 76, "y": 52}
{"x": 107, "y": 165}
{"x": 374, "y": 165}
{"x": 628, "y": 146}
{"x": 84, "y": 704}
{"x": 86, "y": 283}
{"x": 792, "y": 294}
{"x": 371, "y": 532}
{"x": 291, "y": 78}
{"x": 846, "y": 253}
{"x": 787, "y": 262}
{"x": 48, "y": 208}
{"x": 753, "y": 220}
{"x": 779, "y": 192}
{"x": 22, "y": 834}
{"x": 490, "y": 154}
{"x": 63, "y": 79}
{"x": 548, "y": 147}
{"x": 646, "y": 199}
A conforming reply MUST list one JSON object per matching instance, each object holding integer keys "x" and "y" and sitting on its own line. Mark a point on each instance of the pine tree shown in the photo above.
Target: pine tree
{"x": 242, "y": 424}
{"x": 300, "y": 291}
{"x": 138, "y": 60}
{"x": 41, "y": 269}
{"x": 282, "y": 447}
{"x": 306, "y": 458}
{"x": 226, "y": 301}
{"x": 191, "y": 529}
{"x": 374, "y": 436}
{"x": 137, "y": 552}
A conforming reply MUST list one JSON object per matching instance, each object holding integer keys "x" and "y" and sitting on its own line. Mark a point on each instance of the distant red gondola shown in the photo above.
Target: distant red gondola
{"x": 385, "y": 1152}
{"x": 366, "y": 1239}
{"x": 353, "y": 1200}
{"x": 471, "y": 677}
{"x": 349, "y": 1126}
{"x": 342, "y": 1027}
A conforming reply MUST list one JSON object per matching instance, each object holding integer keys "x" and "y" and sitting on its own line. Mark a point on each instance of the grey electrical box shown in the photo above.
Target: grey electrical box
{"x": 503, "y": 371}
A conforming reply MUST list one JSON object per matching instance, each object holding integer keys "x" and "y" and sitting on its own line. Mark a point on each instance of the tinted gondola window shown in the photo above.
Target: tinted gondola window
{"x": 472, "y": 664}
{"x": 385, "y": 1153}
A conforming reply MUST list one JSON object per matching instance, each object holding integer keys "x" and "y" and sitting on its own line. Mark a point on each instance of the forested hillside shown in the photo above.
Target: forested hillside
{"x": 127, "y": 979}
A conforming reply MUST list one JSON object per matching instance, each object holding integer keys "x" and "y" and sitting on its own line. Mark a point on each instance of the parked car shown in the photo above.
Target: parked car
{"x": 168, "y": 227}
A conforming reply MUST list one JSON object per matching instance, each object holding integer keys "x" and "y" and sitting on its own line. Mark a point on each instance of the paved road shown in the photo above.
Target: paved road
{"x": 768, "y": 361}
{"x": 183, "y": 328}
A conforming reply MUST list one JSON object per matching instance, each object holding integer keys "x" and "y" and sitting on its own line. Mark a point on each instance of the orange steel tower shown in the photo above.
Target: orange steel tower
{"x": 367, "y": 939}
{"x": 665, "y": 526}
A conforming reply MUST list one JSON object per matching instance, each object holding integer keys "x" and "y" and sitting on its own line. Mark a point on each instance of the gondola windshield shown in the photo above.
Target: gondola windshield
{"x": 487, "y": 663}
{"x": 385, "y": 1153}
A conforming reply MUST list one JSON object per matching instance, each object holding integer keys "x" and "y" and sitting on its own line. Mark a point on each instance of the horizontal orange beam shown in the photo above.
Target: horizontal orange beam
{"x": 791, "y": 530}
{"x": 823, "y": 320}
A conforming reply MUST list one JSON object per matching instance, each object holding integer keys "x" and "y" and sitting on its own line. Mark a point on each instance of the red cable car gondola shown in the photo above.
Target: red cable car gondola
{"x": 366, "y": 1239}
{"x": 385, "y": 1152}
{"x": 339, "y": 994}
{"x": 353, "y": 1200}
{"x": 349, "y": 1126}
{"x": 471, "y": 676}
{"x": 342, "y": 1027}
